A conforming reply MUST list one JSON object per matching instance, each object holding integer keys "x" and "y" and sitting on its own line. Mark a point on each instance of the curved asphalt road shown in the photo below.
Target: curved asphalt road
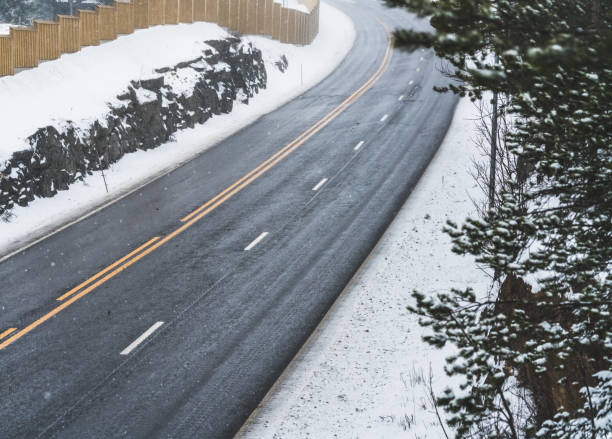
{"x": 233, "y": 319}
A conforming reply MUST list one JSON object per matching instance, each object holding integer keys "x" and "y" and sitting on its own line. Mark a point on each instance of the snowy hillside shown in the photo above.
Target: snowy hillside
{"x": 79, "y": 88}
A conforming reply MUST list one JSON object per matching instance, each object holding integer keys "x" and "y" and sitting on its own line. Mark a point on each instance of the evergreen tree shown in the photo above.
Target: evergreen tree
{"x": 24, "y": 12}
{"x": 553, "y": 60}
{"x": 16, "y": 11}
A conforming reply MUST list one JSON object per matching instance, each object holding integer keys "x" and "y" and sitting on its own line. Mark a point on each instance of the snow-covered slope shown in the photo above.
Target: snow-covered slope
{"x": 78, "y": 87}
{"x": 365, "y": 373}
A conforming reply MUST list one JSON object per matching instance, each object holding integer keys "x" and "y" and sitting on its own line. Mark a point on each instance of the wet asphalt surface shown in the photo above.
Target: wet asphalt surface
{"x": 232, "y": 319}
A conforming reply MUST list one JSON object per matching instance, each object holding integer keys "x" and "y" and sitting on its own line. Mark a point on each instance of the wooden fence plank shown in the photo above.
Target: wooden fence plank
{"x": 276, "y": 21}
{"x": 212, "y": 11}
{"x": 141, "y": 13}
{"x": 171, "y": 12}
{"x": 156, "y": 12}
{"x": 291, "y": 26}
{"x": 243, "y": 17}
{"x": 186, "y": 11}
{"x": 199, "y": 10}
{"x": 107, "y": 22}
{"x": 6, "y": 56}
{"x": 284, "y": 25}
{"x": 261, "y": 17}
{"x": 88, "y": 23}
{"x": 251, "y": 26}
{"x": 224, "y": 12}
{"x": 125, "y": 17}
{"x": 298, "y": 29}
{"x": 25, "y": 47}
{"x": 234, "y": 14}
{"x": 48, "y": 34}
{"x": 269, "y": 14}
{"x": 70, "y": 33}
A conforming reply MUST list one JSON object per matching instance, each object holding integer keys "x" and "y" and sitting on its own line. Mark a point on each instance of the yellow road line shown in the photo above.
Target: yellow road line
{"x": 265, "y": 163}
{"x": 106, "y": 270}
{"x": 7, "y": 332}
{"x": 216, "y": 202}
{"x": 305, "y": 135}
{"x": 207, "y": 207}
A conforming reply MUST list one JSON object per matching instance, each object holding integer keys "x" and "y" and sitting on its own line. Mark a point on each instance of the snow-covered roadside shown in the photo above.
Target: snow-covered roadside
{"x": 365, "y": 371}
{"x": 43, "y": 215}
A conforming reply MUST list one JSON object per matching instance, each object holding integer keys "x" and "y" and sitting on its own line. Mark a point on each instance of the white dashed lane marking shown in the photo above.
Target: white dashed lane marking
{"x": 257, "y": 241}
{"x": 319, "y": 184}
{"x": 142, "y": 338}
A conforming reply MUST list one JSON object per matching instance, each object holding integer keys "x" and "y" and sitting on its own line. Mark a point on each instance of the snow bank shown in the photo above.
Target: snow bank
{"x": 365, "y": 372}
{"x": 293, "y": 4}
{"x": 79, "y": 87}
{"x": 4, "y": 29}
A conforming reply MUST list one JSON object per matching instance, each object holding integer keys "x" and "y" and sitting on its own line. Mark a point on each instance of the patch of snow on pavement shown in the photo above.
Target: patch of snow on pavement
{"x": 365, "y": 371}
{"x": 86, "y": 99}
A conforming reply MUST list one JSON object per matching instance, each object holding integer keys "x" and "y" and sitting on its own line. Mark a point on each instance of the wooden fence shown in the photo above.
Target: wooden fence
{"x": 48, "y": 40}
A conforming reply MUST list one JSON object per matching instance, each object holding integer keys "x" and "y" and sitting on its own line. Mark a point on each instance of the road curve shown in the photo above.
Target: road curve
{"x": 185, "y": 333}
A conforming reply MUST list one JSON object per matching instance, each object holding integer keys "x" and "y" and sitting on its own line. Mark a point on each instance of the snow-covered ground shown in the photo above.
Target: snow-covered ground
{"x": 365, "y": 372}
{"x": 4, "y": 29}
{"x": 78, "y": 87}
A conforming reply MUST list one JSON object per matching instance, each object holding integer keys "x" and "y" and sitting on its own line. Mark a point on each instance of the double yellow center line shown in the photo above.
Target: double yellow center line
{"x": 118, "y": 266}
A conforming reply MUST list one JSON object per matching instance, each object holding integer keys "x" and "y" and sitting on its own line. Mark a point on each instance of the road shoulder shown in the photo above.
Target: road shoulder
{"x": 365, "y": 371}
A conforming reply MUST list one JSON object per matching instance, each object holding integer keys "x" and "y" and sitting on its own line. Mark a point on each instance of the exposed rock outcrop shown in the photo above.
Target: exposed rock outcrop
{"x": 147, "y": 115}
